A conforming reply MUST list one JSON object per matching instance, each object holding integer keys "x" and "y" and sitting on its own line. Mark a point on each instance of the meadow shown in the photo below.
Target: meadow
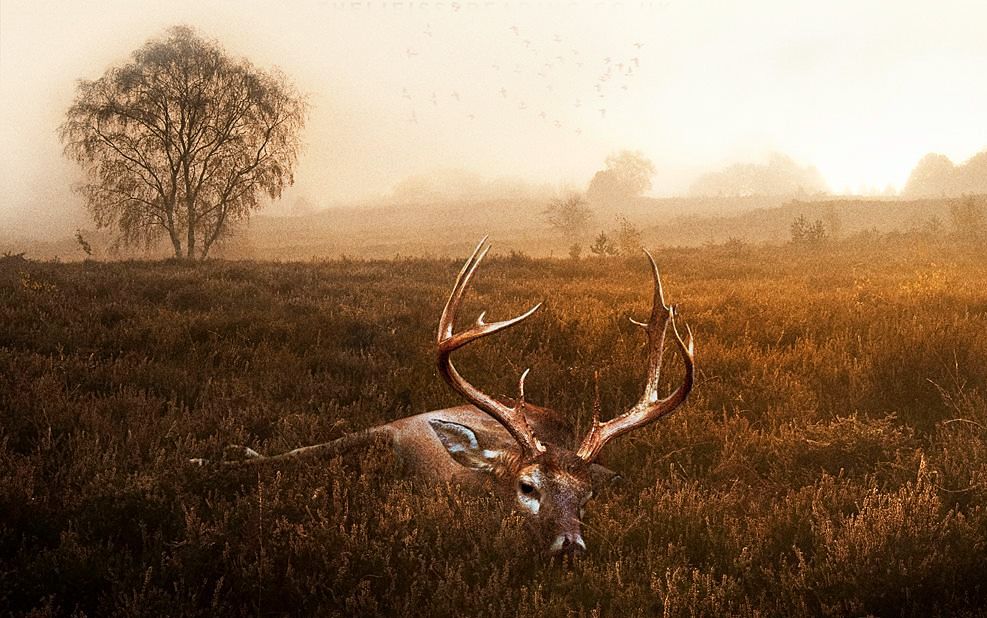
{"x": 831, "y": 460}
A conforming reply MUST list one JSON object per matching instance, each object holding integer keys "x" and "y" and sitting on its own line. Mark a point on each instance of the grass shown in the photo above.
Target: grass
{"x": 832, "y": 459}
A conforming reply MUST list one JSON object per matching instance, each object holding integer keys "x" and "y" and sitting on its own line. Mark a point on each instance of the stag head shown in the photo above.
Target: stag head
{"x": 550, "y": 484}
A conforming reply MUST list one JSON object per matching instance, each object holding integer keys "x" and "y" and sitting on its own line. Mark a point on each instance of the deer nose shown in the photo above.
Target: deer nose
{"x": 568, "y": 543}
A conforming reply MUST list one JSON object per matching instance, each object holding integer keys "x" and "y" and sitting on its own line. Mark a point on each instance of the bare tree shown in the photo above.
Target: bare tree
{"x": 628, "y": 237}
{"x": 184, "y": 140}
{"x": 569, "y": 214}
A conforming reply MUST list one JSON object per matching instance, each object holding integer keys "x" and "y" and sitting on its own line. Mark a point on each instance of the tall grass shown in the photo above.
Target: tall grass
{"x": 832, "y": 459}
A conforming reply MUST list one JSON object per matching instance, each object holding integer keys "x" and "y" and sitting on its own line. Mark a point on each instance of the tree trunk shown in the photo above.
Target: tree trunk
{"x": 190, "y": 247}
{"x": 176, "y": 240}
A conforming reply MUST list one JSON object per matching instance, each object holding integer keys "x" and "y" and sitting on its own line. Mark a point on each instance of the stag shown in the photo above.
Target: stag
{"x": 520, "y": 450}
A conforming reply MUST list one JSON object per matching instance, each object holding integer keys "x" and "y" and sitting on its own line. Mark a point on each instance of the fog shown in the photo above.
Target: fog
{"x": 538, "y": 92}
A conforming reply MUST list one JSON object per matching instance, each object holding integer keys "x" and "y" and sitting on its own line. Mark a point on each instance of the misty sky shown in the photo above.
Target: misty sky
{"x": 859, "y": 89}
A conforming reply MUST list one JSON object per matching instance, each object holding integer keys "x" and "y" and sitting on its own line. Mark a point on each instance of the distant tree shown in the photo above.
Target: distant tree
{"x": 627, "y": 174}
{"x": 603, "y": 246}
{"x": 183, "y": 140}
{"x": 779, "y": 176}
{"x": 936, "y": 176}
{"x": 932, "y": 177}
{"x": 575, "y": 251}
{"x": 569, "y": 214}
{"x": 971, "y": 177}
{"x": 628, "y": 237}
{"x": 805, "y": 233}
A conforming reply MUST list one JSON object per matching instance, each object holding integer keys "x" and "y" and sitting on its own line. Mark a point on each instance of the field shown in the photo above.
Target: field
{"x": 832, "y": 459}
{"x": 439, "y": 228}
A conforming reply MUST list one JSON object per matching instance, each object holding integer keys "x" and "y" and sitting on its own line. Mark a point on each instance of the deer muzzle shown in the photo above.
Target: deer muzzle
{"x": 568, "y": 543}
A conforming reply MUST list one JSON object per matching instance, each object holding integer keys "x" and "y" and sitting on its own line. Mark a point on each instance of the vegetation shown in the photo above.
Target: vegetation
{"x": 603, "y": 246}
{"x": 425, "y": 229}
{"x": 569, "y": 215}
{"x": 969, "y": 218}
{"x": 627, "y": 237}
{"x": 805, "y": 233}
{"x": 832, "y": 459}
{"x": 182, "y": 142}
{"x": 780, "y": 175}
{"x": 627, "y": 175}
{"x": 936, "y": 176}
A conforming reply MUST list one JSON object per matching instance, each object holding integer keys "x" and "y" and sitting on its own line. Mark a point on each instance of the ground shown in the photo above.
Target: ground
{"x": 832, "y": 459}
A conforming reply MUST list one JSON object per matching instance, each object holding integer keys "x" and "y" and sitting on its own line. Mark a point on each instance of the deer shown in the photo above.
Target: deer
{"x": 521, "y": 451}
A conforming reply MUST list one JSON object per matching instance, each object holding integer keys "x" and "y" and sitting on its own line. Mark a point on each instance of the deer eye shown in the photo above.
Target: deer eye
{"x": 527, "y": 489}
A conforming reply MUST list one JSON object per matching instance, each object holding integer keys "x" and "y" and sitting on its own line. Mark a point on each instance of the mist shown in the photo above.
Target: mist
{"x": 528, "y": 95}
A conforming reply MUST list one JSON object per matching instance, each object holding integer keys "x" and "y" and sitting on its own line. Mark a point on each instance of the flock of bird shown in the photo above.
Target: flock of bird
{"x": 553, "y": 76}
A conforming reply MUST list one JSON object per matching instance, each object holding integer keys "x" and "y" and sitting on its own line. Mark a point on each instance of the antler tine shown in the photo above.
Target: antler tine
{"x": 649, "y": 408}
{"x": 447, "y": 342}
{"x": 459, "y": 289}
{"x": 658, "y": 301}
{"x": 520, "y": 390}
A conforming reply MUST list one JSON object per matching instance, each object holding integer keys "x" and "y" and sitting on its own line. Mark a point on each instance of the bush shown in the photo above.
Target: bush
{"x": 805, "y": 233}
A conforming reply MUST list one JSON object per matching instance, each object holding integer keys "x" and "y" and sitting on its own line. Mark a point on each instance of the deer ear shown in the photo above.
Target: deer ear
{"x": 463, "y": 446}
{"x": 603, "y": 476}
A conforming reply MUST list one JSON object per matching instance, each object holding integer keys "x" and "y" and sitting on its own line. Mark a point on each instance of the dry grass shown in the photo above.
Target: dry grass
{"x": 831, "y": 461}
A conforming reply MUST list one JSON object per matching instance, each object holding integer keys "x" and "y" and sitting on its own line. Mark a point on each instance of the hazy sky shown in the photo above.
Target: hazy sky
{"x": 860, "y": 89}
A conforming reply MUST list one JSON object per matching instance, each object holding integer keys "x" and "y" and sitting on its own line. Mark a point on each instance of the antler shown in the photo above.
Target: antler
{"x": 512, "y": 419}
{"x": 649, "y": 408}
